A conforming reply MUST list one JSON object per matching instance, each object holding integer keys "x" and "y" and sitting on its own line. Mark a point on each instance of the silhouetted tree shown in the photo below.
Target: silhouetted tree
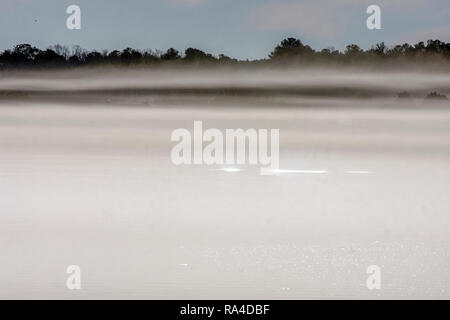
{"x": 22, "y": 55}
{"x": 130, "y": 55}
{"x": 378, "y": 49}
{"x": 195, "y": 54}
{"x": 226, "y": 59}
{"x": 150, "y": 56}
{"x": 353, "y": 50}
{"x": 290, "y": 48}
{"x": 61, "y": 50}
{"x": 49, "y": 58}
{"x": 94, "y": 57}
{"x": 171, "y": 54}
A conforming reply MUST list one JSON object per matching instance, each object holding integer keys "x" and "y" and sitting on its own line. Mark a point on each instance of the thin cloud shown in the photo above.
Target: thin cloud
{"x": 323, "y": 18}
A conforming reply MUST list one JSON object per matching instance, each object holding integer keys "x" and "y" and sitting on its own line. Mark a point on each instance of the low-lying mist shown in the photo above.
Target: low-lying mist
{"x": 109, "y": 85}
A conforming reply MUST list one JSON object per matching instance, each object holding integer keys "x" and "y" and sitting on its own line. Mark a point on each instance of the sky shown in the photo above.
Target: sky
{"x": 244, "y": 29}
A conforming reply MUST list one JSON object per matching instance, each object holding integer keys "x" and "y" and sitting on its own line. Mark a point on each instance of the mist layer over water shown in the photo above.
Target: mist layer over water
{"x": 86, "y": 179}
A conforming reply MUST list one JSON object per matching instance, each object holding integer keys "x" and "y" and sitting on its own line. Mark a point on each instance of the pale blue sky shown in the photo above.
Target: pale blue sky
{"x": 239, "y": 28}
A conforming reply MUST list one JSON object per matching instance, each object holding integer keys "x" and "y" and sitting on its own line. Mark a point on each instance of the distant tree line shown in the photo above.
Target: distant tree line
{"x": 289, "y": 51}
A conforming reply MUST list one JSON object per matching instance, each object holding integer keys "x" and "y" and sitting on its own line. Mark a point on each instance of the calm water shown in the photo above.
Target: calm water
{"x": 86, "y": 179}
